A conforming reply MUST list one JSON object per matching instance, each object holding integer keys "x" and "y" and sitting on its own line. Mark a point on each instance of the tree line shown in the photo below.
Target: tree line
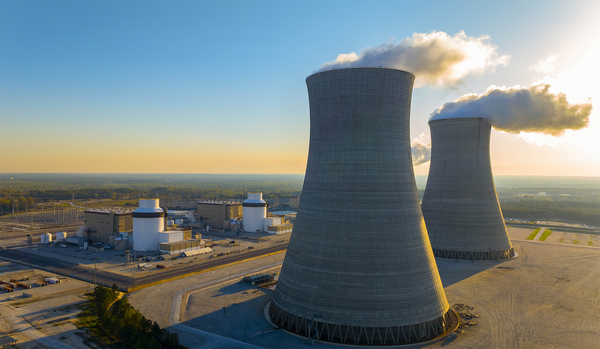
{"x": 120, "y": 321}
{"x": 541, "y": 209}
{"x": 23, "y": 199}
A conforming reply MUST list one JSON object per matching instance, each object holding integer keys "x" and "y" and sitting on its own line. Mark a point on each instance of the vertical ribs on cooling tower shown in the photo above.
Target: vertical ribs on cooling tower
{"x": 359, "y": 268}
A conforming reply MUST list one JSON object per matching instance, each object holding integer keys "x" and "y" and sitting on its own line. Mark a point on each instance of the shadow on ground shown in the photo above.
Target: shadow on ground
{"x": 453, "y": 271}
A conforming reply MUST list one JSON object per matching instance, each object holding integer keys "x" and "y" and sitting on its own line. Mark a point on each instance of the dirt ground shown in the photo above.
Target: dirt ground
{"x": 548, "y": 297}
{"x": 49, "y": 315}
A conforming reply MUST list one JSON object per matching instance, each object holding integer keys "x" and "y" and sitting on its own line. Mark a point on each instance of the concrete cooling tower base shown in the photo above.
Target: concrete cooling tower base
{"x": 318, "y": 330}
{"x": 471, "y": 255}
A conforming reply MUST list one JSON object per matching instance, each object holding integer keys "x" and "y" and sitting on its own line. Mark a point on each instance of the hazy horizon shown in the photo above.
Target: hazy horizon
{"x": 99, "y": 179}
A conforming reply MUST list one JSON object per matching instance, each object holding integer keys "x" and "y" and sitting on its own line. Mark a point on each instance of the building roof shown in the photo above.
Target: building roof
{"x": 219, "y": 202}
{"x": 118, "y": 211}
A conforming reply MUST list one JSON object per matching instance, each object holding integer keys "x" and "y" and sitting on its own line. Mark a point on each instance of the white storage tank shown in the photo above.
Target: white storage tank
{"x": 48, "y": 238}
{"x": 43, "y": 238}
{"x": 61, "y": 236}
{"x": 170, "y": 222}
{"x": 255, "y": 211}
{"x": 148, "y": 221}
{"x": 179, "y": 221}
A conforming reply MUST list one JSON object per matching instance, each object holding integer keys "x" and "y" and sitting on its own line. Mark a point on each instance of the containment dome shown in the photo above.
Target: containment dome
{"x": 359, "y": 268}
{"x": 148, "y": 221}
{"x": 255, "y": 211}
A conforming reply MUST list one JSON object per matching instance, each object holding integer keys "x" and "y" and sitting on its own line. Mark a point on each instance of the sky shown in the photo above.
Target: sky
{"x": 219, "y": 86}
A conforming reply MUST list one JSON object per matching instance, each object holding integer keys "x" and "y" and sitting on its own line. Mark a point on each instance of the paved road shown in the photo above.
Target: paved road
{"x": 557, "y": 227}
{"x": 107, "y": 279}
{"x": 213, "y": 340}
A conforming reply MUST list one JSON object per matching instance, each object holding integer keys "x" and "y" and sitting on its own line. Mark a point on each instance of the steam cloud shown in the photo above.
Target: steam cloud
{"x": 517, "y": 109}
{"x": 421, "y": 153}
{"x": 436, "y": 58}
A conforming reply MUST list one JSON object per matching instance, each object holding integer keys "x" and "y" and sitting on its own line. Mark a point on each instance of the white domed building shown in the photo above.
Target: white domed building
{"x": 148, "y": 222}
{"x": 255, "y": 211}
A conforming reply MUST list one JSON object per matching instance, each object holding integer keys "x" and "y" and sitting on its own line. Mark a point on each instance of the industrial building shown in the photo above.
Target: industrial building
{"x": 184, "y": 245}
{"x": 151, "y": 233}
{"x": 345, "y": 279}
{"x": 217, "y": 214}
{"x": 255, "y": 211}
{"x": 294, "y": 201}
{"x": 256, "y": 218}
{"x": 149, "y": 220}
{"x": 460, "y": 205}
{"x": 101, "y": 224}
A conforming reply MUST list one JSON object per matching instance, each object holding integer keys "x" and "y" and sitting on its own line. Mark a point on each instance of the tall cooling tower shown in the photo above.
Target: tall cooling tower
{"x": 460, "y": 204}
{"x": 359, "y": 267}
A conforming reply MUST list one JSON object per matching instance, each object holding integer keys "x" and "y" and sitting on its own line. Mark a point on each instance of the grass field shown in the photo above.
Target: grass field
{"x": 534, "y": 234}
{"x": 545, "y": 235}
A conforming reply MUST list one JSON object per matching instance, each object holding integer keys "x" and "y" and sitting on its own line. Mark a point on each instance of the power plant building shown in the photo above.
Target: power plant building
{"x": 294, "y": 201}
{"x": 255, "y": 211}
{"x": 148, "y": 222}
{"x": 345, "y": 279}
{"x": 460, "y": 205}
{"x": 101, "y": 224}
{"x": 217, "y": 214}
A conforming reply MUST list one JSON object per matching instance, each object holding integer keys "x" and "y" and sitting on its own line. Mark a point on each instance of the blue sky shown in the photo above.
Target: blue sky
{"x": 219, "y": 86}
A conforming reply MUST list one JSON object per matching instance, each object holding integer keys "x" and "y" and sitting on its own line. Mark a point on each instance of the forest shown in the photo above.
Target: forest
{"x": 546, "y": 209}
{"x": 120, "y": 325}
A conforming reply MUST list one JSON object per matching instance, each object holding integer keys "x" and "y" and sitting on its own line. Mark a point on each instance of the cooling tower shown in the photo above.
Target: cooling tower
{"x": 460, "y": 205}
{"x": 359, "y": 267}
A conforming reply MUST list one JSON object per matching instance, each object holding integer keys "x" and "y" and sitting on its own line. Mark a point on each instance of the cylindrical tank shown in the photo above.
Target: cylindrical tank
{"x": 170, "y": 222}
{"x": 179, "y": 221}
{"x": 460, "y": 204}
{"x": 148, "y": 221}
{"x": 255, "y": 211}
{"x": 359, "y": 266}
{"x": 61, "y": 236}
{"x": 48, "y": 238}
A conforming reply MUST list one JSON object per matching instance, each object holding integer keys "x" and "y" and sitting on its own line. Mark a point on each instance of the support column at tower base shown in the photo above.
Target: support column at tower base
{"x": 318, "y": 330}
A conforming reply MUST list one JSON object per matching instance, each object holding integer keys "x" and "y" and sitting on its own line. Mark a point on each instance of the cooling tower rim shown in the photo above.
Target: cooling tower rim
{"x": 435, "y": 120}
{"x": 358, "y": 68}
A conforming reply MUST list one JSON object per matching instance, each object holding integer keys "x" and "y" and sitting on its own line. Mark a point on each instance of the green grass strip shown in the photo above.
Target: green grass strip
{"x": 534, "y": 234}
{"x": 545, "y": 235}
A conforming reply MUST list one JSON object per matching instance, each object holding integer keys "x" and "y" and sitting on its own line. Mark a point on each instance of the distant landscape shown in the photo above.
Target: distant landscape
{"x": 573, "y": 199}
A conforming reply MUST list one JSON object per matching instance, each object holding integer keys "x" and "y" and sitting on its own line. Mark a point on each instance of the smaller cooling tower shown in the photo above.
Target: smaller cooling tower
{"x": 460, "y": 205}
{"x": 148, "y": 221}
{"x": 255, "y": 210}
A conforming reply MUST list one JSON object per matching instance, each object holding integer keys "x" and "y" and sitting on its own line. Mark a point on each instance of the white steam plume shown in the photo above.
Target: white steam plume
{"x": 436, "y": 58}
{"x": 421, "y": 152}
{"x": 520, "y": 109}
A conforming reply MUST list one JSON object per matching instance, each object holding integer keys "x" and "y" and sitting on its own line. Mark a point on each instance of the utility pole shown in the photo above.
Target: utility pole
{"x": 95, "y": 265}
